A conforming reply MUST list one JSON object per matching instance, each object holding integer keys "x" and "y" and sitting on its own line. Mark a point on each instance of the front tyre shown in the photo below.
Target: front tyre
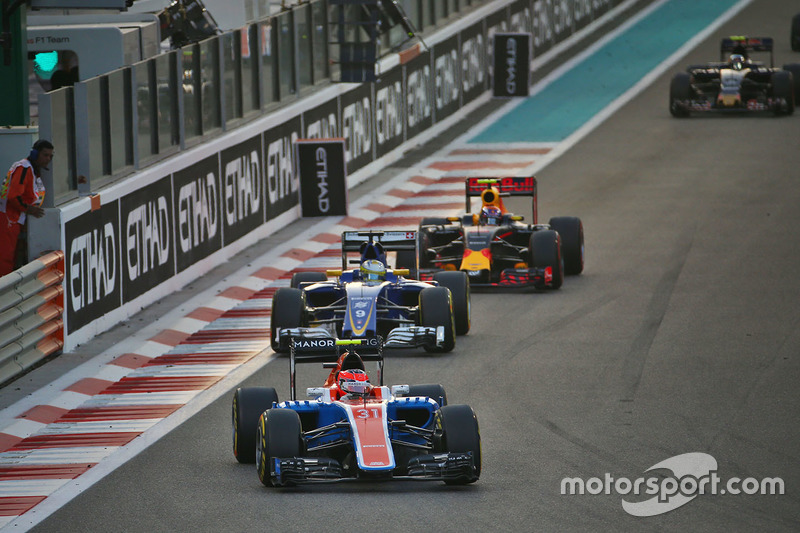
{"x": 248, "y": 404}
{"x": 545, "y": 251}
{"x": 680, "y": 92}
{"x": 279, "y": 435}
{"x": 783, "y": 88}
{"x": 288, "y": 308}
{"x": 456, "y": 430}
{"x": 570, "y": 229}
{"x": 794, "y": 68}
{"x": 458, "y": 283}
{"x": 436, "y": 309}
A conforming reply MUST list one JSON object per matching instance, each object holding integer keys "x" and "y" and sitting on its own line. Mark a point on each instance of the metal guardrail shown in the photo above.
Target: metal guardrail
{"x": 31, "y": 306}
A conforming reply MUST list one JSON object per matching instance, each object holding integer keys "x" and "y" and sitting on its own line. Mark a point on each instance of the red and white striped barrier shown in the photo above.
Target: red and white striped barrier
{"x": 31, "y": 306}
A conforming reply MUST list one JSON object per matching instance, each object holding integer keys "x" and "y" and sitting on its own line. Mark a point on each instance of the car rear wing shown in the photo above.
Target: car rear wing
{"x": 509, "y": 186}
{"x": 741, "y": 44}
{"x": 390, "y": 241}
{"x": 317, "y": 345}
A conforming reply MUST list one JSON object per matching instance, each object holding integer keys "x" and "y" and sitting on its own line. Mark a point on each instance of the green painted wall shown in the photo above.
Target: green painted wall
{"x": 14, "y": 105}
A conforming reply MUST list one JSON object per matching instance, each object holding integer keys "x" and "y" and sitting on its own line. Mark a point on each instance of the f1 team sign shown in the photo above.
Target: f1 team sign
{"x": 512, "y": 59}
{"x": 323, "y": 177}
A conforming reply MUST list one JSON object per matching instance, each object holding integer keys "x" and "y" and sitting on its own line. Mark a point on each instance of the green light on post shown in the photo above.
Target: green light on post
{"x": 45, "y": 63}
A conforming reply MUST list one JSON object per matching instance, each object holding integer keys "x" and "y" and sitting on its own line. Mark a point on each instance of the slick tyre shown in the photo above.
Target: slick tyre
{"x": 794, "y": 68}
{"x": 407, "y": 259}
{"x": 783, "y": 87}
{"x": 248, "y": 404}
{"x": 458, "y": 283}
{"x": 436, "y": 309}
{"x": 434, "y": 391}
{"x": 570, "y": 229}
{"x": 456, "y": 430}
{"x": 545, "y": 251}
{"x": 433, "y": 221}
{"x": 288, "y": 308}
{"x": 278, "y": 435}
{"x": 423, "y": 242}
{"x": 680, "y": 90}
{"x": 307, "y": 277}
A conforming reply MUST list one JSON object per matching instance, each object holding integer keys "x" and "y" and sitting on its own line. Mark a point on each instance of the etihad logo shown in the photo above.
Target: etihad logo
{"x": 93, "y": 266}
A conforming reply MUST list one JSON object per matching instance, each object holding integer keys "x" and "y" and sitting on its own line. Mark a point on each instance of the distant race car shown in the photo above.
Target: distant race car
{"x": 351, "y": 429}
{"x": 736, "y": 82}
{"x": 375, "y": 300}
{"x": 494, "y": 247}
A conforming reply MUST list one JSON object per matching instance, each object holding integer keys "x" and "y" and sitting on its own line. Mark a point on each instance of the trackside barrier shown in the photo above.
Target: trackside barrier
{"x": 31, "y": 307}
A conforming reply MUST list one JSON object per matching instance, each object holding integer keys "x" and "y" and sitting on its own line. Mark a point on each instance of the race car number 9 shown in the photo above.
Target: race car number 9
{"x": 361, "y": 313}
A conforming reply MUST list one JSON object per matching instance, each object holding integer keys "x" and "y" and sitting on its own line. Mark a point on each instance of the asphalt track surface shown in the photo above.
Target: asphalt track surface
{"x": 681, "y": 336}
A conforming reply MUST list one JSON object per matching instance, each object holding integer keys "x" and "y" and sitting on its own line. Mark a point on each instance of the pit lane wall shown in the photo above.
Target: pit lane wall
{"x": 151, "y": 234}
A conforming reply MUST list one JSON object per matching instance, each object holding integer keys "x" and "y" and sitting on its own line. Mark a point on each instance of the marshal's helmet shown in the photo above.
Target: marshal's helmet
{"x": 354, "y": 381}
{"x": 737, "y": 61}
{"x": 373, "y": 270}
{"x": 490, "y": 216}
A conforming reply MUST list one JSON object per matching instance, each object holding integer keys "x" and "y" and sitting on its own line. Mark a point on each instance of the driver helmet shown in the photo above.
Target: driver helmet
{"x": 354, "y": 381}
{"x": 490, "y": 215}
{"x": 373, "y": 270}
{"x": 737, "y": 61}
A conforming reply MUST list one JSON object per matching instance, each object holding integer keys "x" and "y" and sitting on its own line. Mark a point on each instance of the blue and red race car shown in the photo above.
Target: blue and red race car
{"x": 494, "y": 247}
{"x": 352, "y": 429}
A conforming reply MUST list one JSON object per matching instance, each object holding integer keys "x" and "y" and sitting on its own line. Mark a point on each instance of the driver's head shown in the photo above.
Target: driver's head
{"x": 490, "y": 215}
{"x": 373, "y": 270}
{"x": 354, "y": 381}
{"x": 737, "y": 61}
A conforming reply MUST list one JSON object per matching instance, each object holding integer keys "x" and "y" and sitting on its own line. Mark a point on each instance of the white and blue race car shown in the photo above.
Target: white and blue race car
{"x": 351, "y": 429}
{"x": 375, "y": 300}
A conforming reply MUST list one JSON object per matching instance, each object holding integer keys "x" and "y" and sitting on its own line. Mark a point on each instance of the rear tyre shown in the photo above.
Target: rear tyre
{"x": 307, "y": 277}
{"x": 433, "y": 221}
{"x": 783, "y": 87}
{"x": 570, "y": 229}
{"x": 680, "y": 90}
{"x": 278, "y": 435}
{"x": 458, "y": 283}
{"x": 436, "y": 309}
{"x": 288, "y": 306}
{"x": 456, "y": 430}
{"x": 424, "y": 238}
{"x": 407, "y": 259}
{"x": 424, "y": 242}
{"x": 545, "y": 251}
{"x": 433, "y": 391}
{"x": 248, "y": 404}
